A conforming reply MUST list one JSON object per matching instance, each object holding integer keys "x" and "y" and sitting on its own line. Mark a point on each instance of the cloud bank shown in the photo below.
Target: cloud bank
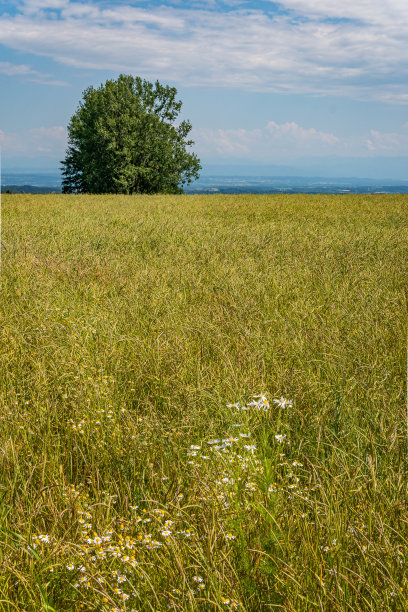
{"x": 351, "y": 48}
{"x": 275, "y": 143}
{"x": 287, "y": 141}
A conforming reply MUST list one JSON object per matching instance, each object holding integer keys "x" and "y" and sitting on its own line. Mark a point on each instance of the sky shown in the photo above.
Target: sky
{"x": 313, "y": 87}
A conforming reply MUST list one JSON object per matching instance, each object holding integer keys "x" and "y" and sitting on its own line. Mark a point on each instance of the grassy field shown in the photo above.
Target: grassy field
{"x": 130, "y": 326}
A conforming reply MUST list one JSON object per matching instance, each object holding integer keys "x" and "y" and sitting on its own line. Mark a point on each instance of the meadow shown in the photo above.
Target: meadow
{"x": 203, "y": 403}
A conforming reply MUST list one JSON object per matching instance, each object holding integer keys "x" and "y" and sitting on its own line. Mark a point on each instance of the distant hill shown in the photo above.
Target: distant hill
{"x": 28, "y": 189}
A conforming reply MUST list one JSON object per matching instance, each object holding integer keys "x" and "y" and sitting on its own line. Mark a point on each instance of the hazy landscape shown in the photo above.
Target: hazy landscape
{"x": 48, "y": 182}
{"x": 203, "y": 403}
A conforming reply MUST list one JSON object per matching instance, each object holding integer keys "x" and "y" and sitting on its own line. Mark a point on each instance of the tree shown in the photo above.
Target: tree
{"x": 123, "y": 139}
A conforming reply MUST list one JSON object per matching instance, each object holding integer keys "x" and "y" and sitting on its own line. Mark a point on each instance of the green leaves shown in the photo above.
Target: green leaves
{"x": 123, "y": 139}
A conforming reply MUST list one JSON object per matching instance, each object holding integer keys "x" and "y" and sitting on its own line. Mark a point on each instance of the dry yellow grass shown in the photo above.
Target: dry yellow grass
{"x": 127, "y": 325}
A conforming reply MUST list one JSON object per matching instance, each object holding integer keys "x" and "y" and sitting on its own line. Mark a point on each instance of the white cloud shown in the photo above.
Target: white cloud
{"x": 368, "y": 11}
{"x": 283, "y": 142}
{"x": 362, "y": 55}
{"x": 274, "y": 140}
{"x": 293, "y": 131}
{"x": 32, "y": 75}
{"x": 388, "y": 143}
{"x": 33, "y": 6}
{"x": 50, "y": 141}
{"x": 15, "y": 69}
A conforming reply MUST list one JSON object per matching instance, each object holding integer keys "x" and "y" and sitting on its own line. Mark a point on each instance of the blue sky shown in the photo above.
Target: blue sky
{"x": 320, "y": 86}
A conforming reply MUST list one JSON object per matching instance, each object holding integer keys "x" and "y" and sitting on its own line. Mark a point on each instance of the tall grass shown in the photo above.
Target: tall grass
{"x": 127, "y": 325}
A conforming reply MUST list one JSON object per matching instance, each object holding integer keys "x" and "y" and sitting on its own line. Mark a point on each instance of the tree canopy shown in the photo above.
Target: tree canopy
{"x": 124, "y": 139}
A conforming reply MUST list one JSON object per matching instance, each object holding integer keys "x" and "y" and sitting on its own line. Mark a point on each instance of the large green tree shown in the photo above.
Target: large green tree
{"x": 124, "y": 139}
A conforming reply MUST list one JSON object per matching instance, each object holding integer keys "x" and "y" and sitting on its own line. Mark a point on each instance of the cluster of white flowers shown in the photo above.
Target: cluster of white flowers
{"x": 260, "y": 402}
{"x": 42, "y": 538}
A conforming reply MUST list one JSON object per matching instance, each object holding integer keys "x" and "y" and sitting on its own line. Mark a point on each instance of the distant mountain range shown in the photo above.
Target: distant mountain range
{"x": 49, "y": 182}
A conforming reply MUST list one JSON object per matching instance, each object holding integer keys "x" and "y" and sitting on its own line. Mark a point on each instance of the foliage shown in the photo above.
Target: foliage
{"x": 123, "y": 139}
{"x": 126, "y": 482}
